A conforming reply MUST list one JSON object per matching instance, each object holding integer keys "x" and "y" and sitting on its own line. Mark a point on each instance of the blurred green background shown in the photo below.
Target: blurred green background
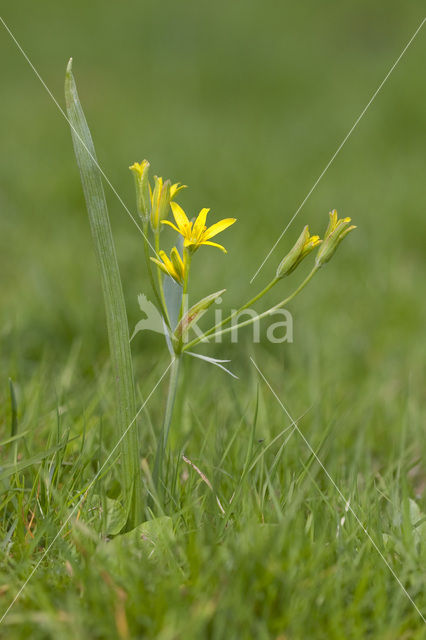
{"x": 245, "y": 102}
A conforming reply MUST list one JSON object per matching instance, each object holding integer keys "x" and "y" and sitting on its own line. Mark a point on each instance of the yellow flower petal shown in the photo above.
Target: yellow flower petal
{"x": 161, "y": 265}
{"x": 175, "y": 188}
{"x": 177, "y": 262}
{"x": 180, "y": 216}
{"x": 167, "y": 261}
{"x": 139, "y": 167}
{"x": 174, "y": 266}
{"x": 214, "y": 244}
{"x": 218, "y": 227}
{"x": 200, "y": 222}
{"x": 173, "y": 226}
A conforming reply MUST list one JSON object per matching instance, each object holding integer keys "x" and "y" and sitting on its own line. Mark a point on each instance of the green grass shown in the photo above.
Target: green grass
{"x": 245, "y": 103}
{"x": 278, "y": 562}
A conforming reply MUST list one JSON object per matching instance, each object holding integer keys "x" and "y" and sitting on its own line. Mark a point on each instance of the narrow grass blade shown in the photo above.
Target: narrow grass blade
{"x": 14, "y": 410}
{"x": 118, "y": 332}
{"x": 14, "y": 438}
{"x": 215, "y": 361}
{"x": 8, "y": 470}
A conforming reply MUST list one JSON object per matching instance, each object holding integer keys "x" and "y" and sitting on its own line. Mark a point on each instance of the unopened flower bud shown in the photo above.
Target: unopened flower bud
{"x": 174, "y": 266}
{"x": 160, "y": 201}
{"x": 303, "y": 246}
{"x": 195, "y": 313}
{"x": 140, "y": 171}
{"x": 336, "y": 231}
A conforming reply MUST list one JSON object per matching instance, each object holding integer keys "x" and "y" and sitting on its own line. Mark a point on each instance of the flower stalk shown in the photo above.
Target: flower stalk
{"x": 231, "y": 316}
{"x": 214, "y": 330}
{"x": 167, "y": 421}
{"x": 160, "y": 281}
{"x": 151, "y": 276}
{"x": 268, "y": 312}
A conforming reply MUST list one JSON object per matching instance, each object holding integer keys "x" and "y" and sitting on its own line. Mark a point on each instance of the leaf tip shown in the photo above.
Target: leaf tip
{"x": 69, "y": 66}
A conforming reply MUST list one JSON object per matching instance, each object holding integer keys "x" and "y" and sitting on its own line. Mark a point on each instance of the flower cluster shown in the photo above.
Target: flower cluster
{"x": 337, "y": 229}
{"x": 155, "y": 202}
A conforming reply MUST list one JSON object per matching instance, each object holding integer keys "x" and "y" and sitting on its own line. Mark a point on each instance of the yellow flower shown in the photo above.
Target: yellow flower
{"x": 195, "y": 234}
{"x": 139, "y": 168}
{"x": 303, "y": 246}
{"x": 336, "y": 231}
{"x": 173, "y": 266}
{"x": 155, "y": 202}
{"x": 161, "y": 198}
{"x": 143, "y": 197}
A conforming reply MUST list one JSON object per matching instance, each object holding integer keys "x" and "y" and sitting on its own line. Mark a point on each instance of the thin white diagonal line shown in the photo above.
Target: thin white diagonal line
{"x": 111, "y": 453}
{"x": 339, "y": 148}
{"x": 347, "y": 503}
{"x": 102, "y": 172}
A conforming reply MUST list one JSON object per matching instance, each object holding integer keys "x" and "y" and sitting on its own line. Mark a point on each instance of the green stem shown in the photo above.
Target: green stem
{"x": 160, "y": 279}
{"x": 151, "y": 276}
{"x": 164, "y": 435}
{"x": 265, "y": 313}
{"x": 232, "y": 315}
{"x": 187, "y": 266}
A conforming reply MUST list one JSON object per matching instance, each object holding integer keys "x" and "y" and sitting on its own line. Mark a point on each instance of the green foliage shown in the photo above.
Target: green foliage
{"x": 286, "y": 558}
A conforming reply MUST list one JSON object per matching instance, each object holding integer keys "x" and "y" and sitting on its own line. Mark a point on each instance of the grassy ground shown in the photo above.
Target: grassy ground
{"x": 245, "y": 102}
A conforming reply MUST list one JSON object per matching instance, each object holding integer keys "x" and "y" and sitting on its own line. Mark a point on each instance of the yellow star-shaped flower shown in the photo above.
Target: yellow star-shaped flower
{"x": 196, "y": 233}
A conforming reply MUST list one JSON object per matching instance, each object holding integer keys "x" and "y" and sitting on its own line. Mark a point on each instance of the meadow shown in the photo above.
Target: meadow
{"x": 246, "y": 104}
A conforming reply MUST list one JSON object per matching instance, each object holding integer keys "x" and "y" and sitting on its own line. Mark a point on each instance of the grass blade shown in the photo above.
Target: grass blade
{"x": 8, "y": 470}
{"x": 118, "y": 332}
{"x": 14, "y": 410}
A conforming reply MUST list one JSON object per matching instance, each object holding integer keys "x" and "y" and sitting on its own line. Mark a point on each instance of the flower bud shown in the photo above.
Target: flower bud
{"x": 140, "y": 171}
{"x": 174, "y": 266}
{"x": 179, "y": 265}
{"x": 303, "y": 246}
{"x": 336, "y": 231}
{"x": 160, "y": 201}
{"x": 195, "y": 313}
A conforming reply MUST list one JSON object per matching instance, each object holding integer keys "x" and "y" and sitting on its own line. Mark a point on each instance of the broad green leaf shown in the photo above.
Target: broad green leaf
{"x": 113, "y": 513}
{"x": 118, "y": 332}
{"x": 150, "y": 539}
